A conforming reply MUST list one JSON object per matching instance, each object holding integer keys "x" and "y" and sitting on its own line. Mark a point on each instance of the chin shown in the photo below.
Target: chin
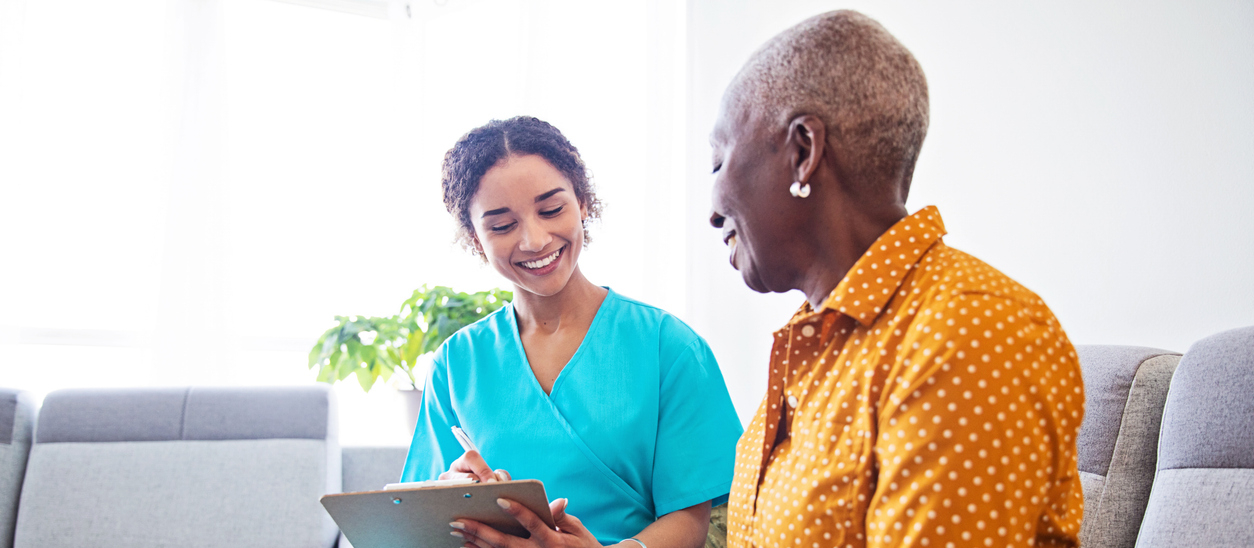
{"x": 751, "y": 279}
{"x": 763, "y": 284}
{"x": 551, "y": 285}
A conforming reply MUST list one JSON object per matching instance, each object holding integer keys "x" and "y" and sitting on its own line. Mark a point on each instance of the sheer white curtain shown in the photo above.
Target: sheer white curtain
{"x": 192, "y": 189}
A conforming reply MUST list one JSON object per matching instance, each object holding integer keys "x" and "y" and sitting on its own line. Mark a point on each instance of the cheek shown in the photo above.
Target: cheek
{"x": 491, "y": 247}
{"x": 744, "y": 190}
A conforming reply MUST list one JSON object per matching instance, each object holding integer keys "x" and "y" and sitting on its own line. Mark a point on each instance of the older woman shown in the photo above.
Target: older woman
{"x": 918, "y": 397}
{"x": 615, "y": 405}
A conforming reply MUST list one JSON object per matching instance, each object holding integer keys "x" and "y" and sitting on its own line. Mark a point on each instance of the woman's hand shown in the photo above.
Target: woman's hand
{"x": 570, "y": 532}
{"x": 471, "y": 465}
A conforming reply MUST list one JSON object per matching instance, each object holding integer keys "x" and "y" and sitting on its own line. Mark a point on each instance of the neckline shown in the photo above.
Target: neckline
{"x": 574, "y": 358}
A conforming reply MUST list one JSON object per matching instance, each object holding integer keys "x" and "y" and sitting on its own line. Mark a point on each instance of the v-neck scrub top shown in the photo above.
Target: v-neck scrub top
{"x": 638, "y": 424}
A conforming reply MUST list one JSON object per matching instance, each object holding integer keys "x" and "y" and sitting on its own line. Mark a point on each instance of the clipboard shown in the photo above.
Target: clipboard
{"x": 420, "y": 517}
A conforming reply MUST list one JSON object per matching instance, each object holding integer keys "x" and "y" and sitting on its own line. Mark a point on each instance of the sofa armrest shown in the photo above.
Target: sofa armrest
{"x": 370, "y": 468}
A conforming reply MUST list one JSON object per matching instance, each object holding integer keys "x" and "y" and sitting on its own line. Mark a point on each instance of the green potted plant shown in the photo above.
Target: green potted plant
{"x": 372, "y": 348}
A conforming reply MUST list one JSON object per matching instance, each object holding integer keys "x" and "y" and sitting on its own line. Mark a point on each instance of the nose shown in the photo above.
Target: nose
{"x": 716, "y": 220}
{"x": 534, "y": 238}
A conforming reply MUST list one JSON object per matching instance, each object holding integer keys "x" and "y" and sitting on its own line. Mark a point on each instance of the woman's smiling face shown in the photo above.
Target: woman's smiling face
{"x": 528, "y": 222}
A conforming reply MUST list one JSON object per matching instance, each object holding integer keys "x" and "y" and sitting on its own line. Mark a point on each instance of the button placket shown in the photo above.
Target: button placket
{"x": 774, "y": 396}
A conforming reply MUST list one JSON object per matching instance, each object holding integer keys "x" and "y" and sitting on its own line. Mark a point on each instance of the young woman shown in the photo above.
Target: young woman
{"x": 617, "y": 406}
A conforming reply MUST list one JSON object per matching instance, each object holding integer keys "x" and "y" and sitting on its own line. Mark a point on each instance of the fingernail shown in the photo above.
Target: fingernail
{"x": 457, "y": 525}
{"x": 457, "y": 534}
{"x": 502, "y": 503}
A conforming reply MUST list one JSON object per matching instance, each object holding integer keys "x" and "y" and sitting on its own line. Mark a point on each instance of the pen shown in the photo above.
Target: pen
{"x": 468, "y": 446}
{"x": 463, "y": 439}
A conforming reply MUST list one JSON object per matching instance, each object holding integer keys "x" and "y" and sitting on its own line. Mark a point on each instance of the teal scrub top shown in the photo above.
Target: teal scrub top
{"x": 638, "y": 424}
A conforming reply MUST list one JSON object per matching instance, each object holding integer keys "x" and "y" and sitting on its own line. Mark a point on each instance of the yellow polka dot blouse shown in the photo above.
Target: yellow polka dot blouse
{"x": 930, "y": 401}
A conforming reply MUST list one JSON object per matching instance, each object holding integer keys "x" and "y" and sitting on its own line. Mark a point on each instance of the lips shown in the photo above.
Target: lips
{"x": 543, "y": 265}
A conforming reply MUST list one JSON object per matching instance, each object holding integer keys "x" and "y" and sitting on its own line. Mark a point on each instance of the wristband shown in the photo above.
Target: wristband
{"x": 636, "y": 540}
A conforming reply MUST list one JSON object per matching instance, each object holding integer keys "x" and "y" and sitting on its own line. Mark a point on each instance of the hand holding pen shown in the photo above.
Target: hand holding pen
{"x": 471, "y": 463}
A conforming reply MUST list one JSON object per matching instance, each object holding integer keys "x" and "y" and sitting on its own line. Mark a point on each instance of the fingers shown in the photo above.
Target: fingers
{"x": 480, "y": 535}
{"x": 502, "y": 475}
{"x": 571, "y": 524}
{"x": 558, "y": 509}
{"x": 473, "y": 541}
{"x": 472, "y": 464}
{"x": 456, "y": 475}
{"x": 568, "y": 524}
{"x": 539, "y": 530}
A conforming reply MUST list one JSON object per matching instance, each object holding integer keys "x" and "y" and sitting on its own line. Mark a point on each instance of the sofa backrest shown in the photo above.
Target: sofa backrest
{"x": 1204, "y": 489}
{"x": 188, "y": 467}
{"x": 1124, "y": 391}
{"x": 17, "y": 424}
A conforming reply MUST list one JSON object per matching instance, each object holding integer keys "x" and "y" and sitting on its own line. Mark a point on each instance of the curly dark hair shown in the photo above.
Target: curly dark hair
{"x": 483, "y": 147}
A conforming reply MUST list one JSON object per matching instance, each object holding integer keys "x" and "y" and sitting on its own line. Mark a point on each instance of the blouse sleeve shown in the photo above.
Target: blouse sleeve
{"x": 433, "y": 448}
{"x": 697, "y": 431}
{"x": 976, "y": 441}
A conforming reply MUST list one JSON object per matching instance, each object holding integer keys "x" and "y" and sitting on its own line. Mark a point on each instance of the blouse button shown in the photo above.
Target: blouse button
{"x": 792, "y": 402}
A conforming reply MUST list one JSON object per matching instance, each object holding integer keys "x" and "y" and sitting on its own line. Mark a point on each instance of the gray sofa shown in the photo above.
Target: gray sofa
{"x": 17, "y": 422}
{"x": 186, "y": 467}
{"x": 1125, "y": 388}
{"x": 1166, "y": 449}
{"x": 1166, "y": 456}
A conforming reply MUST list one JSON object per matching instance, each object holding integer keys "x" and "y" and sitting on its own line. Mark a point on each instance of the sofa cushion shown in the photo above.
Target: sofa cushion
{"x": 1210, "y": 507}
{"x": 168, "y": 414}
{"x": 1210, "y": 423}
{"x": 193, "y": 467}
{"x": 17, "y": 421}
{"x": 1203, "y": 492}
{"x": 1124, "y": 391}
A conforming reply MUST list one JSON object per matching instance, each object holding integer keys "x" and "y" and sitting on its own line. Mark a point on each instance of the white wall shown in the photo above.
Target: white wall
{"x": 1101, "y": 153}
{"x": 191, "y": 190}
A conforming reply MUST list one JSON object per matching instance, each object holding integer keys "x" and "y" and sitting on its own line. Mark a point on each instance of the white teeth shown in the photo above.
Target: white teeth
{"x": 731, "y": 241}
{"x": 541, "y": 263}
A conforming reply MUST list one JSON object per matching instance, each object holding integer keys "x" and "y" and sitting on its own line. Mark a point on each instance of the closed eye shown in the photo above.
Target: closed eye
{"x": 717, "y": 167}
{"x": 499, "y": 229}
{"x": 552, "y": 212}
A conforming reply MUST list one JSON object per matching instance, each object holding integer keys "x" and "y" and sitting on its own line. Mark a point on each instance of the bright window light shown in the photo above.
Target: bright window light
{"x": 200, "y": 187}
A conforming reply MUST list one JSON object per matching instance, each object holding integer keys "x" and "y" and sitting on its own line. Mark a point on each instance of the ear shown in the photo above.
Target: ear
{"x": 807, "y": 143}
{"x": 474, "y": 240}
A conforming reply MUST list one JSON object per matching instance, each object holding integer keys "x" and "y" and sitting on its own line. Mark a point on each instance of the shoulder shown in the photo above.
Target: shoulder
{"x": 949, "y": 280}
{"x": 653, "y": 327}
{"x": 956, "y": 310}
{"x": 489, "y": 330}
{"x": 665, "y": 326}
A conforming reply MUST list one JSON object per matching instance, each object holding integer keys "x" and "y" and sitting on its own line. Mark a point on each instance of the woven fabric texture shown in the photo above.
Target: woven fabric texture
{"x": 1113, "y": 517}
{"x": 17, "y": 421}
{"x": 191, "y": 494}
{"x": 1211, "y": 507}
{"x": 107, "y": 415}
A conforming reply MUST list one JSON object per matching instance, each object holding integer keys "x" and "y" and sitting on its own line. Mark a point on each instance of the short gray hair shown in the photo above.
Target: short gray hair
{"x": 846, "y": 69}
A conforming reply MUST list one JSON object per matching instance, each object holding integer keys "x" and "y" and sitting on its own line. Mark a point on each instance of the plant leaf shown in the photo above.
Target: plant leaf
{"x": 366, "y": 378}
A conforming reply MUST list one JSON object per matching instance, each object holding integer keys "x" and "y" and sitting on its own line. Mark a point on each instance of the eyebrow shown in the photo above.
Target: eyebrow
{"x": 539, "y": 199}
{"x": 548, "y": 194}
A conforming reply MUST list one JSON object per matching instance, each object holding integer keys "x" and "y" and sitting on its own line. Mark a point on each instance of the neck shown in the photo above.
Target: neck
{"x": 578, "y": 300}
{"x": 840, "y": 239}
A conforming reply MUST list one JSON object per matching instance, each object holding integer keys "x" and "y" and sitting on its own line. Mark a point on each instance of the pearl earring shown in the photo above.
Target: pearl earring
{"x": 799, "y": 190}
